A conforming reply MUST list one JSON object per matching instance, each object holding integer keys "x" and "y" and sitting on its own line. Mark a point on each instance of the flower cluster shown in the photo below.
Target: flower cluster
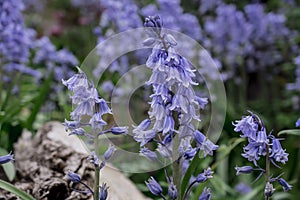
{"x": 174, "y": 105}
{"x": 15, "y": 39}
{"x": 261, "y": 145}
{"x": 88, "y": 112}
{"x": 262, "y": 34}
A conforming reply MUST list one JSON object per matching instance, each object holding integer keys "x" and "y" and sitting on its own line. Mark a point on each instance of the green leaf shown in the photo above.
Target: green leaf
{"x": 39, "y": 101}
{"x": 295, "y": 132}
{"x": 185, "y": 181}
{"x": 8, "y": 168}
{"x": 11, "y": 188}
{"x": 225, "y": 150}
{"x": 220, "y": 186}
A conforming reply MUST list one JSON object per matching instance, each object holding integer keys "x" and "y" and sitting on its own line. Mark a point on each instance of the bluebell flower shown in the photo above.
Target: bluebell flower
{"x": 93, "y": 158}
{"x": 103, "y": 193}
{"x": 247, "y": 126}
{"x": 96, "y": 121}
{"x": 286, "y": 187}
{"x": 204, "y": 144}
{"x": 77, "y": 80}
{"x": 150, "y": 155}
{"x": 186, "y": 149}
{"x": 154, "y": 186}
{"x": 243, "y": 170}
{"x": 109, "y": 152}
{"x": 205, "y": 195}
{"x": 73, "y": 177}
{"x": 103, "y": 108}
{"x": 145, "y": 124}
{"x": 77, "y": 131}
{"x": 277, "y": 153}
{"x": 202, "y": 177}
{"x": 172, "y": 191}
{"x": 70, "y": 125}
{"x": 168, "y": 124}
{"x": 165, "y": 150}
{"x": 119, "y": 130}
{"x": 199, "y": 137}
{"x": 269, "y": 189}
{"x": 143, "y": 137}
{"x": 7, "y": 158}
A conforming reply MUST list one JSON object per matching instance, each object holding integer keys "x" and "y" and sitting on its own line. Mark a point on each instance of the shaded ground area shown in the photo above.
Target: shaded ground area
{"x": 41, "y": 164}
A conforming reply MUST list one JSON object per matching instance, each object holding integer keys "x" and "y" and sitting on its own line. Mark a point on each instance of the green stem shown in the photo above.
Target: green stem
{"x": 97, "y": 169}
{"x": 267, "y": 167}
{"x": 176, "y": 170}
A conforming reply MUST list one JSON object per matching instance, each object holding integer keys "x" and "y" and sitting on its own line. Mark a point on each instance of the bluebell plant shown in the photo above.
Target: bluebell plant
{"x": 173, "y": 108}
{"x": 260, "y": 144}
{"x": 87, "y": 121}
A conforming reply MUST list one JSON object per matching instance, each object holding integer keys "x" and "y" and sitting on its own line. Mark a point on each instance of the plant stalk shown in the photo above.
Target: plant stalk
{"x": 97, "y": 169}
{"x": 267, "y": 168}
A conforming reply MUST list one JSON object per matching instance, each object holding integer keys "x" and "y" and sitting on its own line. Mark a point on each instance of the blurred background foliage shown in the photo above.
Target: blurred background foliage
{"x": 264, "y": 78}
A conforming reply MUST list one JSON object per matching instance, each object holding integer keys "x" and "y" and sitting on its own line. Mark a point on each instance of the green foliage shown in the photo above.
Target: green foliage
{"x": 9, "y": 187}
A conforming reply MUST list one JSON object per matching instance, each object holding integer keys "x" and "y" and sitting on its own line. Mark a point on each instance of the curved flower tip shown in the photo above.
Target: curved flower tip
{"x": 7, "y": 158}
{"x": 154, "y": 186}
{"x": 73, "y": 177}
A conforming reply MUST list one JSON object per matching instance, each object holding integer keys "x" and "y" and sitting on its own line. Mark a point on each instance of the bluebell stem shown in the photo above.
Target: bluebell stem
{"x": 261, "y": 145}
{"x": 88, "y": 112}
{"x": 205, "y": 195}
{"x": 173, "y": 105}
{"x": 7, "y": 158}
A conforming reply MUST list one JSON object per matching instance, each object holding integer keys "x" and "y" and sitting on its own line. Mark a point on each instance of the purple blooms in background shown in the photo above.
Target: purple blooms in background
{"x": 261, "y": 145}
{"x": 15, "y": 39}
{"x": 205, "y": 195}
